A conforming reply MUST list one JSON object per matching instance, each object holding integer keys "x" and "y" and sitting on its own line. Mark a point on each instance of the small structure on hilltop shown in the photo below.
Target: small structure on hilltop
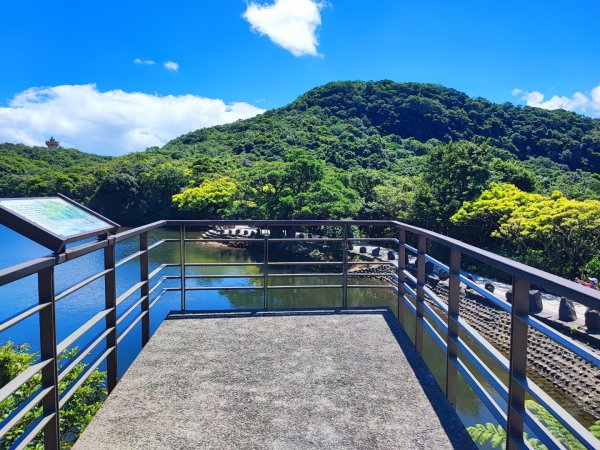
{"x": 52, "y": 143}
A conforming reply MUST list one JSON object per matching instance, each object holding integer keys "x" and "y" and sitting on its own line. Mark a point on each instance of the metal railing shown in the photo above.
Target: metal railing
{"x": 413, "y": 296}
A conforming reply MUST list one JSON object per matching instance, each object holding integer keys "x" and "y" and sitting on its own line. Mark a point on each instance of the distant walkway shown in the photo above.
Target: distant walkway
{"x": 327, "y": 381}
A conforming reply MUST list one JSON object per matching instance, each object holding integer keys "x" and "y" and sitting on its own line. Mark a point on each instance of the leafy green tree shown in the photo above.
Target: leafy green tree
{"x": 76, "y": 413}
{"x": 495, "y": 435}
{"x": 209, "y": 200}
{"x": 553, "y": 232}
{"x": 453, "y": 173}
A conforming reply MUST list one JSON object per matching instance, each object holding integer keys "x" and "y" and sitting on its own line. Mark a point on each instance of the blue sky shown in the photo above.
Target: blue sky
{"x": 69, "y": 67}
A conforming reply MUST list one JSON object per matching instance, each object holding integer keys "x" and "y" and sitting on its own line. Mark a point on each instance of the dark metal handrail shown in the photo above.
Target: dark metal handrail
{"x": 412, "y": 292}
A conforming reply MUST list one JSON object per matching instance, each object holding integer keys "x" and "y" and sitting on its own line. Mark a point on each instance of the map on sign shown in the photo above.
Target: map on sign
{"x": 55, "y": 215}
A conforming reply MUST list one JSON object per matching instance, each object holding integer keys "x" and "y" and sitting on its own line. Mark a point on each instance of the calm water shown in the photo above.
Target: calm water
{"x": 78, "y": 308}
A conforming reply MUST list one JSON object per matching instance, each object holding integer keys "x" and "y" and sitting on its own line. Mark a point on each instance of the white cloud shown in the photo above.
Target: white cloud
{"x": 578, "y": 102}
{"x": 110, "y": 122}
{"x": 172, "y": 66}
{"x": 292, "y": 24}
{"x": 143, "y": 61}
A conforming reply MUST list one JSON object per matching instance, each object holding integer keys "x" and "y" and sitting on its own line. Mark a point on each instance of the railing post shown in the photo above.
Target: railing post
{"x": 401, "y": 276}
{"x": 452, "y": 337}
{"x": 145, "y": 288}
{"x": 182, "y": 265}
{"x": 345, "y": 268}
{"x": 110, "y": 303}
{"x": 518, "y": 363}
{"x": 421, "y": 249}
{"x": 266, "y": 269}
{"x": 48, "y": 352}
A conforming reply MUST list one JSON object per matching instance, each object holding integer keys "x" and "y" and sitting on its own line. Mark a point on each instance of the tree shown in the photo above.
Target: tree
{"x": 210, "y": 200}
{"x": 453, "y": 173}
{"x": 556, "y": 233}
{"x": 76, "y": 413}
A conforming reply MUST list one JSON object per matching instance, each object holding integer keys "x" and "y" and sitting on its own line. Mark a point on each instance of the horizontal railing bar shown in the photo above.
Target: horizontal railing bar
{"x": 305, "y": 263}
{"x": 216, "y": 264}
{"x": 23, "y": 409}
{"x": 487, "y": 294}
{"x": 279, "y": 223}
{"x": 557, "y": 285}
{"x": 82, "y": 354}
{"x": 130, "y": 257}
{"x": 222, "y": 276}
{"x": 156, "y": 285}
{"x": 410, "y": 248}
{"x": 482, "y": 393}
{"x": 20, "y": 379}
{"x": 307, "y": 275}
{"x": 577, "y": 429}
{"x": 139, "y": 230}
{"x": 306, "y": 286}
{"x": 131, "y": 309}
{"x": 373, "y": 239}
{"x": 32, "y": 432}
{"x": 361, "y": 274}
{"x": 84, "y": 249}
{"x": 135, "y": 321}
{"x": 156, "y": 299}
{"x": 231, "y": 239}
{"x": 159, "y": 243}
{"x": 221, "y": 288}
{"x": 21, "y": 316}
{"x": 312, "y": 239}
{"x": 81, "y": 284}
{"x": 129, "y": 292}
{"x": 22, "y": 270}
{"x": 66, "y": 396}
{"x": 565, "y": 341}
{"x": 156, "y": 271}
{"x": 538, "y": 429}
{"x": 69, "y": 340}
{"x": 437, "y": 263}
{"x": 435, "y": 317}
{"x": 367, "y": 286}
{"x": 436, "y": 336}
{"x": 482, "y": 368}
{"x": 370, "y": 263}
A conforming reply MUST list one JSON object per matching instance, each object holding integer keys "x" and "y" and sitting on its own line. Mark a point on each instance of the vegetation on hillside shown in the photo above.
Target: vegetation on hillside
{"x": 368, "y": 150}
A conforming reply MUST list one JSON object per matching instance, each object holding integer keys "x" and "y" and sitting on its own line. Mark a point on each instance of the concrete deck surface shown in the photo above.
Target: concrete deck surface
{"x": 277, "y": 382}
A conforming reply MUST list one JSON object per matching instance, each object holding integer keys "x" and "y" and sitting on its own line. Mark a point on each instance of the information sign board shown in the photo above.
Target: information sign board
{"x": 53, "y": 221}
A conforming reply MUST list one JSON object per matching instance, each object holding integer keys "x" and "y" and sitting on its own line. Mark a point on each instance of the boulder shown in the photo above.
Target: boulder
{"x": 566, "y": 311}
{"x": 245, "y": 232}
{"x": 376, "y": 251}
{"x": 237, "y": 231}
{"x": 444, "y": 275}
{"x": 489, "y": 287}
{"x": 391, "y": 255}
{"x": 350, "y": 246}
{"x": 362, "y": 250}
{"x": 592, "y": 320}
{"x": 508, "y": 296}
{"x": 301, "y": 235}
{"x": 230, "y": 231}
{"x": 470, "y": 277}
{"x": 429, "y": 267}
{"x": 253, "y": 234}
{"x": 535, "y": 302}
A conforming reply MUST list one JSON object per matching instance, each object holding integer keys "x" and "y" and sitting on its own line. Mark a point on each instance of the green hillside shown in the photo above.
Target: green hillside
{"x": 371, "y": 150}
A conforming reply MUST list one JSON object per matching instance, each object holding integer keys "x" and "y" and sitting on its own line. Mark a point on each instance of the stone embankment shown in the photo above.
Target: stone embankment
{"x": 565, "y": 371}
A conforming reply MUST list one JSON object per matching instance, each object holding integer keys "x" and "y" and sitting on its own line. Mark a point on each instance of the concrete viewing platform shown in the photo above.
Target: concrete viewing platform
{"x": 277, "y": 381}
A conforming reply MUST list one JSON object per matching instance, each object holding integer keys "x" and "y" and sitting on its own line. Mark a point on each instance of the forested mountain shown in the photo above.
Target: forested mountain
{"x": 371, "y": 150}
